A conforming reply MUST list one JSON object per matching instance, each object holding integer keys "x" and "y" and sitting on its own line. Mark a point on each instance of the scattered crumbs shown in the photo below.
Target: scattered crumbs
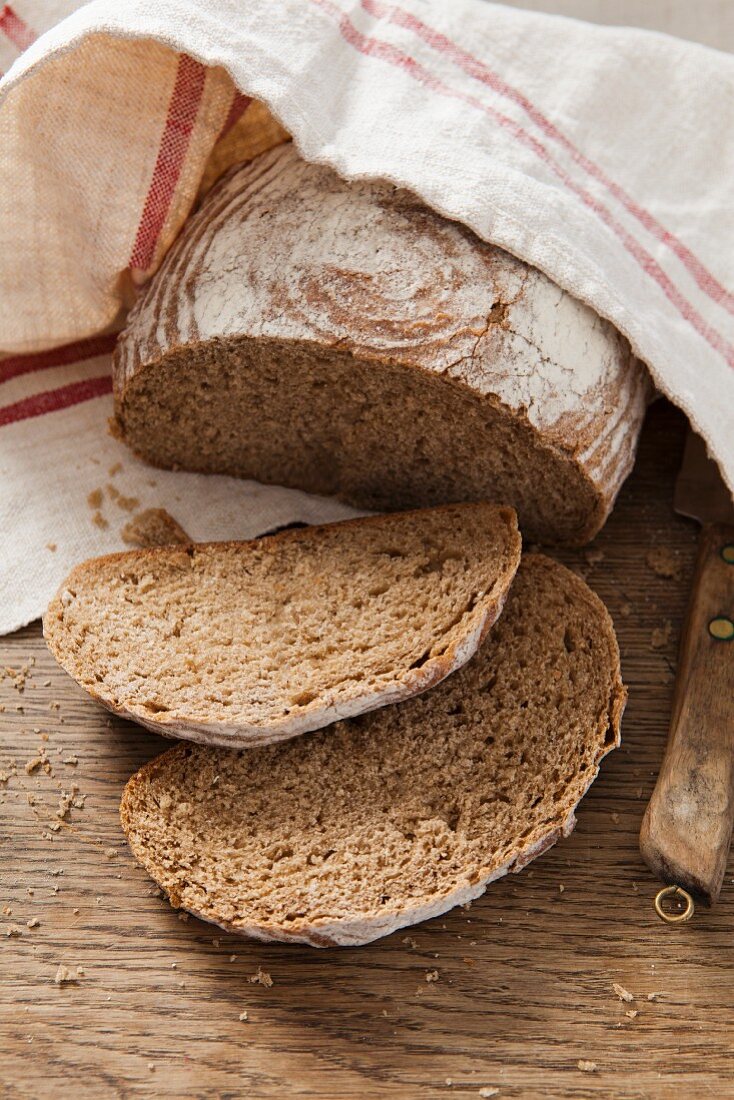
{"x": 13, "y": 930}
{"x": 7, "y": 911}
{"x": 663, "y": 563}
{"x": 242, "y": 1016}
{"x": 232, "y": 958}
{"x": 432, "y": 976}
{"x": 4, "y": 777}
{"x": 183, "y": 916}
{"x": 128, "y": 504}
{"x": 561, "y": 887}
{"x": 65, "y": 803}
{"x": 622, "y": 993}
{"x": 449, "y": 1081}
{"x": 64, "y": 974}
{"x": 33, "y": 922}
{"x": 631, "y": 1013}
{"x": 115, "y": 469}
{"x": 51, "y": 546}
{"x": 410, "y": 942}
{"x": 33, "y": 765}
{"x": 586, "y": 1067}
{"x": 73, "y": 760}
{"x": 55, "y": 826}
{"x": 99, "y": 521}
{"x": 594, "y": 556}
{"x": 661, "y": 635}
{"x": 469, "y": 962}
{"x": 261, "y": 978}
{"x": 653, "y": 996}
{"x": 94, "y": 500}
{"x": 489, "y": 1090}
{"x": 151, "y": 1067}
{"x": 53, "y": 705}
{"x": 173, "y": 966}
{"x": 153, "y": 527}
{"x": 615, "y": 817}
{"x": 30, "y": 890}
{"x": 215, "y": 943}
{"x": 75, "y": 912}
{"x": 625, "y": 610}
{"x": 111, "y": 853}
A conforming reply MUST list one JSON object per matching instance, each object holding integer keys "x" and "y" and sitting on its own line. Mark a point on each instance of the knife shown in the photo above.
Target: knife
{"x": 687, "y": 827}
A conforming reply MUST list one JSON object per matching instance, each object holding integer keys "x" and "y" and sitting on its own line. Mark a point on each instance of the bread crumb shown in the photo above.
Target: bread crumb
{"x": 242, "y": 1016}
{"x": 625, "y": 610}
{"x": 615, "y": 816}
{"x": 128, "y": 504}
{"x": 261, "y": 978}
{"x": 622, "y": 993}
{"x": 594, "y": 556}
{"x": 653, "y": 996}
{"x": 111, "y": 853}
{"x": 72, "y": 760}
{"x": 215, "y": 943}
{"x": 232, "y": 958}
{"x": 114, "y": 469}
{"x": 561, "y": 887}
{"x": 410, "y": 942}
{"x": 663, "y": 563}
{"x": 183, "y": 916}
{"x": 432, "y": 976}
{"x": 489, "y": 1090}
{"x": 661, "y": 635}
{"x": 51, "y": 546}
{"x": 99, "y": 521}
{"x": 94, "y": 499}
{"x": 33, "y": 764}
{"x": 33, "y": 922}
{"x": 586, "y": 1067}
{"x": 154, "y": 527}
{"x": 64, "y": 974}
{"x": 631, "y": 1013}
{"x": 13, "y": 930}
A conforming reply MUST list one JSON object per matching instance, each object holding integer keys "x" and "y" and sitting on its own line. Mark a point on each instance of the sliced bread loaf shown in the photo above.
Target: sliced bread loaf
{"x": 344, "y": 339}
{"x": 388, "y": 819}
{"x": 246, "y": 643}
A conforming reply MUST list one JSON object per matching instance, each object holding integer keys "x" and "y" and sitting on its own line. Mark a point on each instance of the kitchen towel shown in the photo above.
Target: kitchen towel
{"x": 604, "y": 156}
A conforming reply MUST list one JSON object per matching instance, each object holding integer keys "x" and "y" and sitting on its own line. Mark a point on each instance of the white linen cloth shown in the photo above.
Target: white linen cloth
{"x": 604, "y": 156}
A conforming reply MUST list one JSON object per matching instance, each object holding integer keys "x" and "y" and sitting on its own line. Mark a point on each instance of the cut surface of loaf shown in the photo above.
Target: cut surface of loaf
{"x": 247, "y": 643}
{"x": 393, "y": 817}
{"x": 344, "y": 339}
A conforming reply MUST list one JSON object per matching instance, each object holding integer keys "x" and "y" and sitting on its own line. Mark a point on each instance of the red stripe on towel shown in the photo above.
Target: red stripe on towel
{"x": 240, "y": 103}
{"x": 53, "y": 400}
{"x": 78, "y": 352}
{"x": 180, "y": 120}
{"x": 15, "y": 29}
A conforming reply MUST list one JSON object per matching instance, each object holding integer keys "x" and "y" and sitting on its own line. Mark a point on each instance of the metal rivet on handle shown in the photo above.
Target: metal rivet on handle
{"x": 721, "y": 628}
{"x": 727, "y": 553}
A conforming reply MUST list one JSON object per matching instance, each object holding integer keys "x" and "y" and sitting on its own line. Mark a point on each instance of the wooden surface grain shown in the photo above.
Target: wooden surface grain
{"x": 526, "y": 976}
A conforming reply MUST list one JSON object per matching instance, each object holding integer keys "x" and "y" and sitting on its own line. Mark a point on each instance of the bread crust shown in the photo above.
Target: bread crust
{"x": 454, "y": 311}
{"x": 242, "y": 734}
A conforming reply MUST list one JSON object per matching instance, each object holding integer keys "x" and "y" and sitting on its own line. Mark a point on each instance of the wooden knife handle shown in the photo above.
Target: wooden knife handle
{"x": 686, "y": 831}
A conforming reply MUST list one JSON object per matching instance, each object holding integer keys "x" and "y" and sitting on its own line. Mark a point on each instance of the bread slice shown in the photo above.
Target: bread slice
{"x": 342, "y": 338}
{"x": 396, "y": 816}
{"x": 247, "y": 643}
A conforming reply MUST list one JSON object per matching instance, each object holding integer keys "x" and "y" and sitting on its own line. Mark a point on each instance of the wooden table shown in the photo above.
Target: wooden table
{"x": 525, "y": 988}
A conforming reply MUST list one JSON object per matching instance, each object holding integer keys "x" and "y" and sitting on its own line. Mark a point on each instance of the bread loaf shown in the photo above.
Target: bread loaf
{"x": 344, "y": 339}
{"x": 350, "y": 833}
{"x": 247, "y": 643}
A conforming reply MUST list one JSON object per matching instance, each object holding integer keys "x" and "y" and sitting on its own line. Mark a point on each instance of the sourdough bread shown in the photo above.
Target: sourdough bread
{"x": 344, "y": 339}
{"x": 247, "y": 643}
{"x": 348, "y": 834}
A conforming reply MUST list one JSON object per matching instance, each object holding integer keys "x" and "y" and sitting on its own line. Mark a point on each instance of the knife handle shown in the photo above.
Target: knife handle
{"x": 687, "y": 827}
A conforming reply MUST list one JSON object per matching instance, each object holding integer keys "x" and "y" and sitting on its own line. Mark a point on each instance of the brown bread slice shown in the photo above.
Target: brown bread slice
{"x": 342, "y": 338}
{"x": 346, "y": 835}
{"x": 247, "y": 643}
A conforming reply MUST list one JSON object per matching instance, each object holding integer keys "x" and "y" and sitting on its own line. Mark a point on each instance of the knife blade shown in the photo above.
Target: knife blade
{"x": 687, "y": 827}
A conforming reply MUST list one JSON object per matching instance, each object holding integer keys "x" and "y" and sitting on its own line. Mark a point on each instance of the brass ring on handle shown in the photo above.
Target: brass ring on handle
{"x": 674, "y": 918}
